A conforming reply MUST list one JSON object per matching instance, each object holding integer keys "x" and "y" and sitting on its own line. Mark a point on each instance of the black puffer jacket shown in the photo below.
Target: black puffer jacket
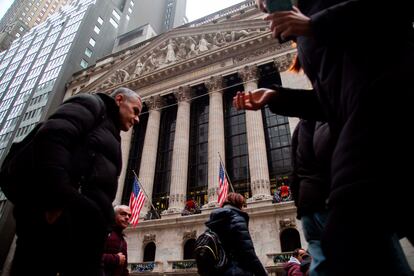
{"x": 78, "y": 149}
{"x": 231, "y": 224}
{"x": 353, "y": 88}
{"x": 312, "y": 149}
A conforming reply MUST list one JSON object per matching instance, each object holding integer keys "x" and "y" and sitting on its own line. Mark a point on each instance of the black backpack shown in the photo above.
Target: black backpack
{"x": 209, "y": 254}
{"x": 17, "y": 166}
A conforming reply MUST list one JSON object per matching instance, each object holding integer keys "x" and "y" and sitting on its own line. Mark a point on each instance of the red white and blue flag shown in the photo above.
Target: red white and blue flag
{"x": 223, "y": 186}
{"x": 136, "y": 202}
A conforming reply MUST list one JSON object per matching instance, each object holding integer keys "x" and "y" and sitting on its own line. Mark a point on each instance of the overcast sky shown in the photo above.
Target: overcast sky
{"x": 200, "y": 8}
{"x": 4, "y": 5}
{"x": 195, "y": 8}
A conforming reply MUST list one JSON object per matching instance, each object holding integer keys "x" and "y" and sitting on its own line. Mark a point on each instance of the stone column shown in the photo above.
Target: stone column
{"x": 216, "y": 142}
{"x": 149, "y": 151}
{"x": 259, "y": 170}
{"x": 125, "y": 148}
{"x": 179, "y": 168}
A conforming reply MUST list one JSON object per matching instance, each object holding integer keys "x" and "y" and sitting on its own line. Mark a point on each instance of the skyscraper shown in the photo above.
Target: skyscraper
{"x": 23, "y": 15}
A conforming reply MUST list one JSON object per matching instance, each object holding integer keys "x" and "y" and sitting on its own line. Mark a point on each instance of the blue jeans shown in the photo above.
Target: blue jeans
{"x": 313, "y": 225}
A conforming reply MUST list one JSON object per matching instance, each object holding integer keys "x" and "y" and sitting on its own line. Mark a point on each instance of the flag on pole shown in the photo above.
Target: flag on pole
{"x": 136, "y": 201}
{"x": 223, "y": 186}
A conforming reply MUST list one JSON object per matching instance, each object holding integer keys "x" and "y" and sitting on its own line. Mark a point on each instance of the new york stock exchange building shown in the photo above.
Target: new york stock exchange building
{"x": 187, "y": 78}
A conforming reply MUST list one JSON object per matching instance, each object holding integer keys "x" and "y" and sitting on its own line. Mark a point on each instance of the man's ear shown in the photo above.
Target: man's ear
{"x": 119, "y": 98}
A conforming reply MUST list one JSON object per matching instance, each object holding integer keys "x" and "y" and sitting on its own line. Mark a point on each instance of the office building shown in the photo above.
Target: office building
{"x": 23, "y": 15}
{"x": 36, "y": 67}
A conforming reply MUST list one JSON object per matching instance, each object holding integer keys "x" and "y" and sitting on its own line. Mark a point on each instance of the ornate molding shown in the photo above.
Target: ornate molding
{"x": 183, "y": 93}
{"x": 155, "y": 102}
{"x": 249, "y": 73}
{"x": 278, "y": 48}
{"x": 148, "y": 238}
{"x": 215, "y": 83}
{"x": 188, "y": 235}
{"x": 284, "y": 62}
{"x": 171, "y": 51}
{"x": 287, "y": 223}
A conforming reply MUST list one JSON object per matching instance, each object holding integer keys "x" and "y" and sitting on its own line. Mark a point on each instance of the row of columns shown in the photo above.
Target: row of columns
{"x": 258, "y": 165}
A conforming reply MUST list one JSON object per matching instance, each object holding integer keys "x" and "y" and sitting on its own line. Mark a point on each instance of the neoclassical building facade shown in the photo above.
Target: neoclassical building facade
{"x": 187, "y": 78}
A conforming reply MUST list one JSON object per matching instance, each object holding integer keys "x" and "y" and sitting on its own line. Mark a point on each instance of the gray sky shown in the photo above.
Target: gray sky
{"x": 195, "y": 8}
{"x": 200, "y": 8}
{"x": 4, "y": 5}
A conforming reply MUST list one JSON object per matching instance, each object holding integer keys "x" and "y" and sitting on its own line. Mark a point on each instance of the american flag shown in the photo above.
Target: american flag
{"x": 136, "y": 201}
{"x": 223, "y": 185}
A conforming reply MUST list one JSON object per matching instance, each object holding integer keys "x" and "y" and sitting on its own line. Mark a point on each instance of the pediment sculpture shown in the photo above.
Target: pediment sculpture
{"x": 174, "y": 50}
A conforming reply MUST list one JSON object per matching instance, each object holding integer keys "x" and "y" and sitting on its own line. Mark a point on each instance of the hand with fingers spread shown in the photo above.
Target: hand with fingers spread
{"x": 289, "y": 24}
{"x": 253, "y": 100}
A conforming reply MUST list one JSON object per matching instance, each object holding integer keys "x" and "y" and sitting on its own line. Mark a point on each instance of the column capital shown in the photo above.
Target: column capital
{"x": 214, "y": 84}
{"x": 183, "y": 93}
{"x": 249, "y": 73}
{"x": 155, "y": 102}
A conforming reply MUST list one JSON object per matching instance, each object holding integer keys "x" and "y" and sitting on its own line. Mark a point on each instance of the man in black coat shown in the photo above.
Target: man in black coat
{"x": 63, "y": 218}
{"x": 359, "y": 94}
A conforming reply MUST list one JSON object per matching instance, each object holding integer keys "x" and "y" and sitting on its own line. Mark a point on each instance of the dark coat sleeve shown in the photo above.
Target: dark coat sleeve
{"x": 56, "y": 140}
{"x": 346, "y": 23}
{"x": 300, "y": 103}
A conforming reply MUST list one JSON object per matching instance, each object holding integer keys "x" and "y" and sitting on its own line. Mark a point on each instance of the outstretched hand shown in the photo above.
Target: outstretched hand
{"x": 253, "y": 100}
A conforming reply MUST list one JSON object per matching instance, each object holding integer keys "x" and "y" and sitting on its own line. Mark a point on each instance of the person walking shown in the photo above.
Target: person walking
{"x": 231, "y": 224}
{"x": 115, "y": 256}
{"x": 62, "y": 221}
{"x": 353, "y": 89}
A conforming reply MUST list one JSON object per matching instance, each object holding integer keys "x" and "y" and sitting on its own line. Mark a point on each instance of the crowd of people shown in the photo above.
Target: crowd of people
{"x": 339, "y": 149}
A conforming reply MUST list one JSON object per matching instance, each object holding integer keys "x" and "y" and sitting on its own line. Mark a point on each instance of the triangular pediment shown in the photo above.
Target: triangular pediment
{"x": 177, "y": 47}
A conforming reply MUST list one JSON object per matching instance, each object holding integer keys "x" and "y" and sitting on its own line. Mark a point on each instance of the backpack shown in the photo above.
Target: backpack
{"x": 209, "y": 254}
{"x": 17, "y": 165}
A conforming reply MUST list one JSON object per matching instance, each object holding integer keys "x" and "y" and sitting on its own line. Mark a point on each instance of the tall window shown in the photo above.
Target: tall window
{"x": 237, "y": 159}
{"x": 162, "y": 179}
{"x": 198, "y": 156}
{"x": 277, "y": 133}
{"x": 135, "y": 154}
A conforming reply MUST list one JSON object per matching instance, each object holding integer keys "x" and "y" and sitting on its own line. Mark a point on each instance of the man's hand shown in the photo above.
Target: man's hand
{"x": 53, "y": 215}
{"x": 253, "y": 100}
{"x": 289, "y": 24}
{"x": 122, "y": 258}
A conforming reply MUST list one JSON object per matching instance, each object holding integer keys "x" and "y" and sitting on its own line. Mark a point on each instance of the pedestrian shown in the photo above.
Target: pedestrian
{"x": 358, "y": 94}
{"x": 63, "y": 221}
{"x": 231, "y": 224}
{"x": 293, "y": 266}
{"x": 115, "y": 256}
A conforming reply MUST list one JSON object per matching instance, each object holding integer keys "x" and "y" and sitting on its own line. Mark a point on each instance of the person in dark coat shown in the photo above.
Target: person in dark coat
{"x": 115, "y": 256}
{"x": 231, "y": 224}
{"x": 310, "y": 183}
{"x": 359, "y": 94}
{"x": 63, "y": 220}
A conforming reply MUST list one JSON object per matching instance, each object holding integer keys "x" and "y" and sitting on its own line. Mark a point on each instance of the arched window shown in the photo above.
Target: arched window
{"x": 290, "y": 240}
{"x": 189, "y": 249}
{"x": 149, "y": 252}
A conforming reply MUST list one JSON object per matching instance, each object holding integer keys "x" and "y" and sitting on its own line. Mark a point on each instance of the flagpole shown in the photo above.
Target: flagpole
{"x": 225, "y": 171}
{"x": 150, "y": 201}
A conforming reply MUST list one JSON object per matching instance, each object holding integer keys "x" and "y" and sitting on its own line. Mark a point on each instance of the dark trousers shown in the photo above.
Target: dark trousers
{"x": 73, "y": 245}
